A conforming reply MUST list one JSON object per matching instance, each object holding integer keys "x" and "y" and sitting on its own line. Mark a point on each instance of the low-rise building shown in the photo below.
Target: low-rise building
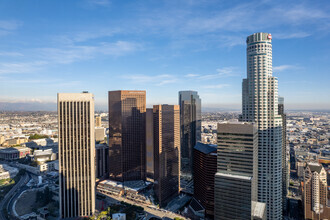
{"x": 14, "y": 153}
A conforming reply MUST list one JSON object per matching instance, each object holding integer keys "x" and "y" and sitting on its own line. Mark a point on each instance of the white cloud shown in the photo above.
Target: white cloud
{"x": 21, "y": 67}
{"x": 158, "y": 80}
{"x": 221, "y": 72}
{"x": 291, "y": 35}
{"x": 11, "y": 54}
{"x": 191, "y": 75}
{"x": 219, "y": 86}
{"x": 99, "y": 2}
{"x": 284, "y": 67}
{"x": 9, "y": 25}
{"x": 72, "y": 54}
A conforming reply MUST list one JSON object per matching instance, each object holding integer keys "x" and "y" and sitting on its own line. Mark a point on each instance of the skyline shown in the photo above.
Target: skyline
{"x": 163, "y": 48}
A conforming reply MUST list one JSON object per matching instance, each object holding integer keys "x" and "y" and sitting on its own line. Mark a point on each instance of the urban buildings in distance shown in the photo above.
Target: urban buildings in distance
{"x": 166, "y": 139}
{"x": 190, "y": 122}
{"x": 76, "y": 154}
{"x": 127, "y": 110}
{"x": 260, "y": 105}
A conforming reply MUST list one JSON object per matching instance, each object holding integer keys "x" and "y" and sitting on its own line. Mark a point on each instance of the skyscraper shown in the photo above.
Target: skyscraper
{"x": 127, "y": 135}
{"x": 76, "y": 154}
{"x": 315, "y": 198}
{"x": 285, "y": 166}
{"x": 235, "y": 185}
{"x": 190, "y": 131}
{"x": 205, "y": 167}
{"x": 98, "y": 122}
{"x": 102, "y": 161}
{"x": 166, "y": 152}
{"x": 150, "y": 160}
{"x": 260, "y": 105}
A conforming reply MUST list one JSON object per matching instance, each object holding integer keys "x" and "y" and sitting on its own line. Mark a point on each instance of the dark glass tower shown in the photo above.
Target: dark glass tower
{"x": 127, "y": 135}
{"x": 190, "y": 132}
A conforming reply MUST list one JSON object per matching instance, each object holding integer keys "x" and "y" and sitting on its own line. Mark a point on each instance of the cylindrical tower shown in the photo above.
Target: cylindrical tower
{"x": 260, "y": 105}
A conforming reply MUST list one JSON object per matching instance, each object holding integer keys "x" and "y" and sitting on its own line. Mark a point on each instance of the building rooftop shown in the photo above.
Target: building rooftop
{"x": 206, "y": 148}
{"x": 258, "y": 209}
{"x": 137, "y": 185}
{"x": 315, "y": 167}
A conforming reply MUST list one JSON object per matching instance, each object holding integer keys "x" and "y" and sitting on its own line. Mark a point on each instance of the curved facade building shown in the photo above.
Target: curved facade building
{"x": 260, "y": 105}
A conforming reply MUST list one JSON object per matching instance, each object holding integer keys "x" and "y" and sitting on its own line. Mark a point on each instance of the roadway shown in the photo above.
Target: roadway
{"x": 151, "y": 211}
{"x": 14, "y": 192}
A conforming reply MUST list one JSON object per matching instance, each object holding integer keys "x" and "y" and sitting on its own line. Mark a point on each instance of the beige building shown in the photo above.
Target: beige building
{"x": 76, "y": 154}
{"x": 98, "y": 121}
{"x": 166, "y": 141}
{"x": 15, "y": 141}
{"x": 315, "y": 192}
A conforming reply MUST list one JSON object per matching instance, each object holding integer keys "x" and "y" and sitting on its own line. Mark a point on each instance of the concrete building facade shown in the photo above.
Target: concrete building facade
{"x": 127, "y": 110}
{"x": 76, "y": 154}
{"x": 285, "y": 156}
{"x": 315, "y": 192}
{"x": 260, "y": 105}
{"x": 102, "y": 161}
{"x": 190, "y": 131}
{"x": 236, "y": 180}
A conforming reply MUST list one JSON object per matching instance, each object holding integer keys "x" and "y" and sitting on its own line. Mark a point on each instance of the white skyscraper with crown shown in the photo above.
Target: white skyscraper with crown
{"x": 260, "y": 105}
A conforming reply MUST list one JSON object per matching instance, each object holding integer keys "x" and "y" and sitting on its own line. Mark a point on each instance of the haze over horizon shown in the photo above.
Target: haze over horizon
{"x": 161, "y": 47}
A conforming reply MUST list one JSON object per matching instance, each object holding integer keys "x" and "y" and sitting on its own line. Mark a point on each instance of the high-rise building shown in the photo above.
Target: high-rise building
{"x": 315, "y": 192}
{"x": 150, "y": 145}
{"x": 260, "y": 105}
{"x": 205, "y": 167}
{"x": 285, "y": 156}
{"x": 127, "y": 135}
{"x": 166, "y": 152}
{"x": 236, "y": 180}
{"x": 76, "y": 149}
{"x": 190, "y": 131}
{"x": 98, "y": 122}
{"x": 102, "y": 161}
{"x": 99, "y": 134}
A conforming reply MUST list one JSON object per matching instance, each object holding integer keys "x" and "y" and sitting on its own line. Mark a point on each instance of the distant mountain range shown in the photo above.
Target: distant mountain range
{"x": 51, "y": 106}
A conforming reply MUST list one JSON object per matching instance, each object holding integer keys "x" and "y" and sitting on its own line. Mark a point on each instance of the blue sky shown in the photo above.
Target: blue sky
{"x": 161, "y": 46}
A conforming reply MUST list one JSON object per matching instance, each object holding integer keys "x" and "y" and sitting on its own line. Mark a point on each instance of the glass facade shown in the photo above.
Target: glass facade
{"x": 190, "y": 131}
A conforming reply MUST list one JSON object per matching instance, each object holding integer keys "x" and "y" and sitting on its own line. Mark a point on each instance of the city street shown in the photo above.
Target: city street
{"x": 13, "y": 193}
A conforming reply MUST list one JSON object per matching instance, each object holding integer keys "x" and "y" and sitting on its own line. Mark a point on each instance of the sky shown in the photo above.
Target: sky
{"x": 49, "y": 47}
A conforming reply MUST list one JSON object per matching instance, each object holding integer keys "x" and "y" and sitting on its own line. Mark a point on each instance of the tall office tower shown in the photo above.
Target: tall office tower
{"x": 260, "y": 105}
{"x": 190, "y": 131}
{"x": 76, "y": 149}
{"x": 205, "y": 167}
{"x": 285, "y": 158}
{"x": 102, "y": 161}
{"x": 150, "y": 145}
{"x": 315, "y": 192}
{"x": 236, "y": 179}
{"x": 98, "y": 122}
{"x": 166, "y": 152}
{"x": 127, "y": 135}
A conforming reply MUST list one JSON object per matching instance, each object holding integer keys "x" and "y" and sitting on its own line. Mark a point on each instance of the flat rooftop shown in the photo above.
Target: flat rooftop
{"x": 137, "y": 185}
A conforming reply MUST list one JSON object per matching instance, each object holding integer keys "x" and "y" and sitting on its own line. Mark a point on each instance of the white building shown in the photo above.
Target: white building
{"x": 260, "y": 105}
